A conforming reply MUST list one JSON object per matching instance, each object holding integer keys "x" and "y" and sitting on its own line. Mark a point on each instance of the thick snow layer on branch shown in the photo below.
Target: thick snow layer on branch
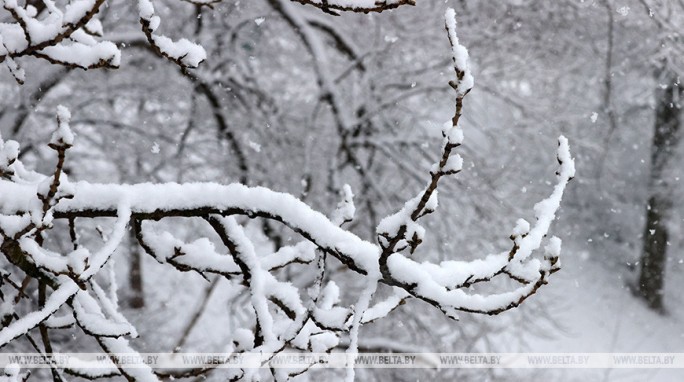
{"x": 345, "y": 209}
{"x": 84, "y": 55}
{"x": 452, "y": 134}
{"x": 63, "y": 135}
{"x": 9, "y": 152}
{"x": 433, "y": 282}
{"x": 90, "y": 317}
{"x": 438, "y": 282}
{"x": 12, "y": 224}
{"x": 47, "y": 259}
{"x": 149, "y": 198}
{"x": 119, "y": 348}
{"x": 302, "y": 252}
{"x": 244, "y": 253}
{"x": 460, "y": 55}
{"x": 545, "y": 211}
{"x": 93, "y": 369}
{"x": 360, "y": 309}
{"x": 452, "y": 300}
{"x": 452, "y": 273}
{"x": 383, "y": 308}
{"x": 183, "y": 51}
{"x": 99, "y": 258}
{"x": 59, "y": 297}
{"x": 553, "y": 248}
{"x": 29, "y": 202}
{"x": 110, "y": 307}
{"x": 326, "y": 312}
{"x": 336, "y": 317}
{"x": 200, "y": 254}
{"x": 390, "y": 225}
{"x": 12, "y": 373}
{"x": 15, "y": 70}
{"x": 57, "y": 37}
{"x": 522, "y": 227}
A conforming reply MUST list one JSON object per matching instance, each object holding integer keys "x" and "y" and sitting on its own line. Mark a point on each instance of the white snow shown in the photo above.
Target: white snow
{"x": 459, "y": 54}
{"x": 63, "y": 135}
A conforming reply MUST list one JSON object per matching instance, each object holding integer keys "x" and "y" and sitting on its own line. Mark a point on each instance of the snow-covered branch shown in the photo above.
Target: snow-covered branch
{"x": 63, "y": 37}
{"x": 184, "y": 53}
{"x": 365, "y": 6}
{"x": 73, "y": 36}
{"x": 284, "y": 315}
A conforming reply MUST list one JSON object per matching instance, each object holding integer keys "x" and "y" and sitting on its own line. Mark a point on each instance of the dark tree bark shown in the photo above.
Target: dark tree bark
{"x": 38, "y": 4}
{"x": 135, "y": 278}
{"x": 666, "y": 136}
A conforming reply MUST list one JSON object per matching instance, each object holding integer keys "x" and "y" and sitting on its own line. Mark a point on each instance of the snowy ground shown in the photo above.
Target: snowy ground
{"x": 599, "y": 314}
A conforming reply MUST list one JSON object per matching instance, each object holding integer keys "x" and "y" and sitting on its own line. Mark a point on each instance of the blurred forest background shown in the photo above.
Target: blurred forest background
{"x": 303, "y": 102}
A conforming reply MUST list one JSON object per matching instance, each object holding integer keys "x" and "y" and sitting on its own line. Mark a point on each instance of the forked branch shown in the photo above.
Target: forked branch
{"x": 284, "y": 317}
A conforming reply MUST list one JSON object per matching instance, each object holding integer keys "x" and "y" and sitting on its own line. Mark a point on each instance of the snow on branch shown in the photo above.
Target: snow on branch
{"x": 465, "y": 80}
{"x": 284, "y": 316}
{"x": 364, "y": 6}
{"x": 184, "y": 53}
{"x": 73, "y": 36}
{"x": 58, "y": 36}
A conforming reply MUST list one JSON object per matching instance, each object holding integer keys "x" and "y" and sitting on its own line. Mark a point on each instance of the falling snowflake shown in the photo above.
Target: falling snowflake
{"x": 254, "y": 146}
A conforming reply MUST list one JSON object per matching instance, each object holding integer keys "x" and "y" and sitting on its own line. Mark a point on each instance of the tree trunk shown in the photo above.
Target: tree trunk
{"x": 135, "y": 279}
{"x": 666, "y": 136}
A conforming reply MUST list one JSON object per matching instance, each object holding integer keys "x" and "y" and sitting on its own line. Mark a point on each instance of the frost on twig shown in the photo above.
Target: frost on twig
{"x": 283, "y": 315}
